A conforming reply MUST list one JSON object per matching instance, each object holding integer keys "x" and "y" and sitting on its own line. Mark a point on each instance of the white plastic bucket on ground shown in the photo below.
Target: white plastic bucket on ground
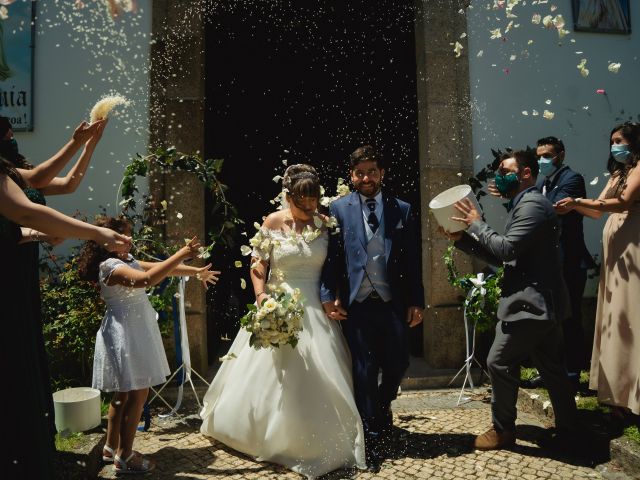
{"x": 443, "y": 208}
{"x": 77, "y": 409}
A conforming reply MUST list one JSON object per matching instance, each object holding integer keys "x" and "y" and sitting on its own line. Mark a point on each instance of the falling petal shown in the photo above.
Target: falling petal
{"x": 582, "y": 68}
{"x": 243, "y": 284}
{"x": 457, "y": 49}
{"x": 548, "y": 115}
{"x": 228, "y": 356}
{"x": 594, "y": 181}
{"x": 614, "y": 67}
{"x": 495, "y": 33}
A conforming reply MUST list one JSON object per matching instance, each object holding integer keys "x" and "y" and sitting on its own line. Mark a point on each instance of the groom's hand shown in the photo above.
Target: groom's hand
{"x": 334, "y": 310}
{"x": 414, "y": 316}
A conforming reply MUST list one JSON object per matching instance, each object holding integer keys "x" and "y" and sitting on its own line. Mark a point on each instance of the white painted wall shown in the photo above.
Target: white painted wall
{"x": 583, "y": 118}
{"x": 69, "y": 45}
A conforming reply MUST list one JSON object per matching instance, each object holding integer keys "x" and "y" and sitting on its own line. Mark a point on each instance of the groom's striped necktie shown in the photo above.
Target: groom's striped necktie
{"x": 373, "y": 219}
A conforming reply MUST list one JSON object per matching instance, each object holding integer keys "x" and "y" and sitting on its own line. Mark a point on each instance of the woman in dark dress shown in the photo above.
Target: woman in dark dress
{"x": 27, "y": 252}
{"x": 26, "y": 396}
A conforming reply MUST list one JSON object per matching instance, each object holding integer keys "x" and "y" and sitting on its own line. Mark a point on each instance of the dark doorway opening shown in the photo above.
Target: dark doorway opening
{"x": 304, "y": 82}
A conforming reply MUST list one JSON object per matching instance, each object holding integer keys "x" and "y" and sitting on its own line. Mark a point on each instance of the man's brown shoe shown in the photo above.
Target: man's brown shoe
{"x": 494, "y": 440}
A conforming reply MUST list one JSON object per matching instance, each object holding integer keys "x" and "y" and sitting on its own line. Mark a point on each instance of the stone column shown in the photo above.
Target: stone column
{"x": 177, "y": 86}
{"x": 446, "y": 159}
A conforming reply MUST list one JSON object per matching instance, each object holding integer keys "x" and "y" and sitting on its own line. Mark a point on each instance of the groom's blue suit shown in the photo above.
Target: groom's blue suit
{"x": 376, "y": 327}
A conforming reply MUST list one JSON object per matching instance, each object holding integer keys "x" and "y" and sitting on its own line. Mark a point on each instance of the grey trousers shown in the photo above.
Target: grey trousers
{"x": 514, "y": 342}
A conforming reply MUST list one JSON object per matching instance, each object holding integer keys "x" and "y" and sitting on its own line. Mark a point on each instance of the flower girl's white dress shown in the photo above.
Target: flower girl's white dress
{"x": 291, "y": 406}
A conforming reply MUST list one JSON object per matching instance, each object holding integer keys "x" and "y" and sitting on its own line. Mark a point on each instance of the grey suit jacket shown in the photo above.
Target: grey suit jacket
{"x": 533, "y": 286}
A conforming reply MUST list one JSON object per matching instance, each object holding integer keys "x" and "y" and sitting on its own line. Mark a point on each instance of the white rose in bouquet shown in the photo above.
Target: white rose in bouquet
{"x": 276, "y": 322}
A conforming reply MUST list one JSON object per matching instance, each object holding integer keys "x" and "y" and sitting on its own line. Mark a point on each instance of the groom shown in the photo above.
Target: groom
{"x": 372, "y": 281}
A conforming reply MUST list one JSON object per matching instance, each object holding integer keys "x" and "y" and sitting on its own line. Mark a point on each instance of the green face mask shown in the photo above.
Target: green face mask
{"x": 507, "y": 183}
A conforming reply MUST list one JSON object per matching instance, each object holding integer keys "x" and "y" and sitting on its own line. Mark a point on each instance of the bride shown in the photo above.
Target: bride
{"x": 291, "y": 406}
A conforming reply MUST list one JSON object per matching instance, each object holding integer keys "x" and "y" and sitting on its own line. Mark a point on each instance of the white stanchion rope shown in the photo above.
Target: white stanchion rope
{"x": 186, "y": 358}
{"x": 478, "y": 288}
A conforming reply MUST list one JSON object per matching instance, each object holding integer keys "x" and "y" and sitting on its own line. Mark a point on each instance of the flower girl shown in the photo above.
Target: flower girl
{"x": 129, "y": 355}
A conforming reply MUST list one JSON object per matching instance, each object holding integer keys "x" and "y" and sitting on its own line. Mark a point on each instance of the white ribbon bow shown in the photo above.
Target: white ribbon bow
{"x": 479, "y": 283}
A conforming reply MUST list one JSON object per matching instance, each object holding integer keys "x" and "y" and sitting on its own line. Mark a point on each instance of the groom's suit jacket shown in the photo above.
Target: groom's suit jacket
{"x": 344, "y": 268}
{"x": 533, "y": 286}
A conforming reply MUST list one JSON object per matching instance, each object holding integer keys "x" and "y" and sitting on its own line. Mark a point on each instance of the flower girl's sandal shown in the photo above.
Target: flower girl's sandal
{"x": 128, "y": 467}
{"x": 107, "y": 458}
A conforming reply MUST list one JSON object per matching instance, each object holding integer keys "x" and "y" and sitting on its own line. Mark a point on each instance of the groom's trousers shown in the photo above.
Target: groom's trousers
{"x": 378, "y": 339}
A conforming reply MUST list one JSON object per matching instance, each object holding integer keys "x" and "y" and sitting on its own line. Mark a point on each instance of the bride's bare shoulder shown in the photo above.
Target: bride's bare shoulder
{"x": 274, "y": 221}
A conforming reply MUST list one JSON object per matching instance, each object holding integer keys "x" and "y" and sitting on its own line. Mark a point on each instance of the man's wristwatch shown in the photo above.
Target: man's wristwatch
{"x": 577, "y": 200}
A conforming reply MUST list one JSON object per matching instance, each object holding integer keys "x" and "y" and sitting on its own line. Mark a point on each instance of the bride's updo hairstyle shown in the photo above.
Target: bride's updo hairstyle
{"x": 301, "y": 180}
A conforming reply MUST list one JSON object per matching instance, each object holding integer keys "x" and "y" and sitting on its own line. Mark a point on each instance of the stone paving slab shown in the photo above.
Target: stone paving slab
{"x": 433, "y": 440}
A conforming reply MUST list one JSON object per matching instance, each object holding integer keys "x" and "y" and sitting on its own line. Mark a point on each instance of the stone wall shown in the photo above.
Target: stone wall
{"x": 445, "y": 160}
{"x": 177, "y": 119}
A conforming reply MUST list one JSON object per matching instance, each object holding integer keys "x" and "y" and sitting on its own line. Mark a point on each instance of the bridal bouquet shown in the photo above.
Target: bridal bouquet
{"x": 277, "y": 321}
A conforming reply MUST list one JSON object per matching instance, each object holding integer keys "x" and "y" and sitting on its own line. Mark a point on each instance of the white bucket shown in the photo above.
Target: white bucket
{"x": 443, "y": 208}
{"x": 77, "y": 409}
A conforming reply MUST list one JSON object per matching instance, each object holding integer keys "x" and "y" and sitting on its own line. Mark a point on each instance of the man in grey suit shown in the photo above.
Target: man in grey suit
{"x": 533, "y": 302}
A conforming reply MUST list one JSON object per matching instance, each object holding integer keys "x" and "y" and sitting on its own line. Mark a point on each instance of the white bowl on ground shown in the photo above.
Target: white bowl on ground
{"x": 442, "y": 206}
{"x": 77, "y": 409}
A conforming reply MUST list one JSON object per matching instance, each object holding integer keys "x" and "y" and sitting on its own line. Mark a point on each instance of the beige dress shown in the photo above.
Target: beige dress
{"x": 615, "y": 361}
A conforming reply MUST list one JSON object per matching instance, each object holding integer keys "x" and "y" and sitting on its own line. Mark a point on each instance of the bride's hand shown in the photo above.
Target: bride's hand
{"x": 261, "y": 297}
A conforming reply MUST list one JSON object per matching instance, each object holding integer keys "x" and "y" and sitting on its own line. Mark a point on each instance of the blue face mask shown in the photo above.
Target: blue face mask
{"x": 507, "y": 183}
{"x": 546, "y": 166}
{"x": 620, "y": 153}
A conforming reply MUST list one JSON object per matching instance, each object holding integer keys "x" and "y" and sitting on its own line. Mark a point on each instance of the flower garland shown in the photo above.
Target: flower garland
{"x": 224, "y": 216}
{"x": 481, "y": 295}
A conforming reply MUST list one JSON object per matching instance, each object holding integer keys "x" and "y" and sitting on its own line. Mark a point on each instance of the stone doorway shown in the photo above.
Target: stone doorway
{"x": 305, "y": 82}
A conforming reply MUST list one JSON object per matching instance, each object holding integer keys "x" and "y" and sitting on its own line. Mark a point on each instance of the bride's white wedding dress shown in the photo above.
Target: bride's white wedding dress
{"x": 291, "y": 406}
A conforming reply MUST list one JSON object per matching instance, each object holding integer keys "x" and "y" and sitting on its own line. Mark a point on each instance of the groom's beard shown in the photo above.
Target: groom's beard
{"x": 369, "y": 189}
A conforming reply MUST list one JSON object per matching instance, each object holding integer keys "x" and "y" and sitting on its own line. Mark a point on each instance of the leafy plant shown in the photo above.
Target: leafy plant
{"x": 72, "y": 311}
{"x": 481, "y": 308}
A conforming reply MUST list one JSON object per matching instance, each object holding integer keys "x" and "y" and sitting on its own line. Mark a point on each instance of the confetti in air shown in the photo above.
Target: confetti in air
{"x": 457, "y": 49}
{"x": 229, "y": 356}
{"x": 614, "y": 67}
{"x": 104, "y": 106}
{"x": 582, "y": 67}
